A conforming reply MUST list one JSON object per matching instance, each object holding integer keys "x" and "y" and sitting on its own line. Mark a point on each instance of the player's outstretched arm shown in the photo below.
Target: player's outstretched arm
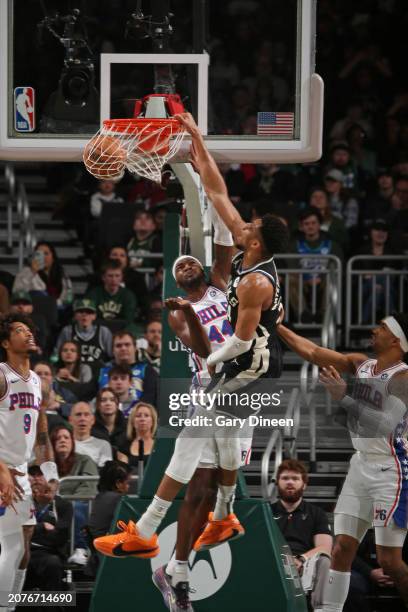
{"x": 318, "y": 355}
{"x": 186, "y": 325}
{"x": 211, "y": 177}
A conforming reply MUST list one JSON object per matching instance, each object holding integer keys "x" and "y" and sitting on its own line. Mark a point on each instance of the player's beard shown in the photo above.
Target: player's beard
{"x": 193, "y": 283}
{"x": 291, "y": 497}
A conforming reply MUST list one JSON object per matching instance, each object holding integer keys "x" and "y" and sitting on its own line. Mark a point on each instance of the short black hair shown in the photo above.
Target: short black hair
{"x": 402, "y": 320}
{"x": 311, "y": 211}
{"x": 274, "y": 234}
{"x": 121, "y": 370}
{"x": 34, "y": 470}
{"x": 110, "y": 264}
{"x": 6, "y": 321}
{"x": 111, "y": 472}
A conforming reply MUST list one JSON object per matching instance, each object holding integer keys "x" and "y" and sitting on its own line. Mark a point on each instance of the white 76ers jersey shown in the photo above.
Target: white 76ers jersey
{"x": 212, "y": 313}
{"x": 371, "y": 391}
{"x": 19, "y": 408}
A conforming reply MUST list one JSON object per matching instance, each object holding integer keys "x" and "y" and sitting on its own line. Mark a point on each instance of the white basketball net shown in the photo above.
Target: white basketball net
{"x": 142, "y": 149}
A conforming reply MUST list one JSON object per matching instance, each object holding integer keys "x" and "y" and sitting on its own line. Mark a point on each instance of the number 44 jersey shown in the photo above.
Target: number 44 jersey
{"x": 211, "y": 311}
{"x": 19, "y": 408}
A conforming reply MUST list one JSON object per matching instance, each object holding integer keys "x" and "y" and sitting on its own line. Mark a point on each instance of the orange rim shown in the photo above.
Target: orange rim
{"x": 149, "y": 125}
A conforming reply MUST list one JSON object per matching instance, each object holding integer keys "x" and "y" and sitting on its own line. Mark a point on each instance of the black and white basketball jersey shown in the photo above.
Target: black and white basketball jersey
{"x": 92, "y": 349}
{"x": 265, "y": 354}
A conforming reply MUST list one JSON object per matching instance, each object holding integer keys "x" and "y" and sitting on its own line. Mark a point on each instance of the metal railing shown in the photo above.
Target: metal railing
{"x": 290, "y": 433}
{"x": 26, "y": 238}
{"x": 301, "y": 297}
{"x": 309, "y": 377}
{"x": 85, "y": 498}
{"x": 281, "y": 443}
{"x": 268, "y": 485}
{"x": 18, "y": 206}
{"x": 10, "y": 178}
{"x": 377, "y": 291}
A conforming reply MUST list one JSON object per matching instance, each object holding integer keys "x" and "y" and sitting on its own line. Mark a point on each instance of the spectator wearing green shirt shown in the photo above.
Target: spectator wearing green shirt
{"x": 145, "y": 241}
{"x": 112, "y": 300}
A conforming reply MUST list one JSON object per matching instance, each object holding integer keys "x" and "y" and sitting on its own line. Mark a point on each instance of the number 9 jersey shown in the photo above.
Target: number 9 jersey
{"x": 19, "y": 408}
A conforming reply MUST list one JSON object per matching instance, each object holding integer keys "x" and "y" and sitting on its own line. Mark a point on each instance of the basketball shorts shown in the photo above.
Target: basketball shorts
{"x": 209, "y": 456}
{"x": 23, "y": 513}
{"x": 375, "y": 490}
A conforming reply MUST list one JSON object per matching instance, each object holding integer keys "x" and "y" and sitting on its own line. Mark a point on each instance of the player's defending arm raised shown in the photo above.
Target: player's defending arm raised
{"x": 318, "y": 355}
{"x": 211, "y": 177}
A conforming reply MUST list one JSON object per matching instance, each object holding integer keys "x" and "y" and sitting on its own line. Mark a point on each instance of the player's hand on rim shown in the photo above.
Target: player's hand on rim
{"x": 333, "y": 382}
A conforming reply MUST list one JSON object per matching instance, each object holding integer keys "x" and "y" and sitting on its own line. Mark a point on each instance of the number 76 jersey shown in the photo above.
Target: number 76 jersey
{"x": 211, "y": 311}
{"x": 19, "y": 408}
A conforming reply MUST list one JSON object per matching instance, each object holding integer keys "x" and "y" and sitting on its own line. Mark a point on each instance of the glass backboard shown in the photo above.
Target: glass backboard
{"x": 244, "y": 68}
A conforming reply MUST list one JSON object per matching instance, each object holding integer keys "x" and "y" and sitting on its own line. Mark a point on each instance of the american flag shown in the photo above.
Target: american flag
{"x": 272, "y": 124}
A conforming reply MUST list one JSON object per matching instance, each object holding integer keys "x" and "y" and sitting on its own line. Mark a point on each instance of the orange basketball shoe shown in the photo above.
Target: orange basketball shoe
{"x": 127, "y": 543}
{"x": 218, "y": 532}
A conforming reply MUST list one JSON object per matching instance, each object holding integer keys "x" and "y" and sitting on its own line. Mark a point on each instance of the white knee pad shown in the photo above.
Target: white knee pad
{"x": 185, "y": 458}
{"x": 229, "y": 453}
{"x": 356, "y": 528}
{"x": 391, "y": 535}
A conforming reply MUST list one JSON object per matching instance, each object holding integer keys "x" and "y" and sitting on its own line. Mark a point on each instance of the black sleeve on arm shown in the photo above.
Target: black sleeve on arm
{"x": 150, "y": 385}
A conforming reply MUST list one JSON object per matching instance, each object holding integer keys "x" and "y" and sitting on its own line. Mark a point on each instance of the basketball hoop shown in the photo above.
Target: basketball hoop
{"x": 142, "y": 146}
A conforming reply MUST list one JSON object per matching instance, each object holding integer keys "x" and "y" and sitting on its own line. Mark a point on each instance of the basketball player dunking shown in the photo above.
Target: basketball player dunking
{"x": 23, "y": 428}
{"x": 252, "y": 353}
{"x": 200, "y": 321}
{"x": 375, "y": 490}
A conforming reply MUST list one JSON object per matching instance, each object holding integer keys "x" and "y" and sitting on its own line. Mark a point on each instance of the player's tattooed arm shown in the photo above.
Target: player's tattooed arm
{"x": 318, "y": 355}
{"x": 187, "y": 327}
{"x": 43, "y": 447}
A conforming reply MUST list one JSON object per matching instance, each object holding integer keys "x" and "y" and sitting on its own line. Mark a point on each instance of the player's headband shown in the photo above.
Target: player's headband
{"x": 177, "y": 261}
{"x": 396, "y": 329}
